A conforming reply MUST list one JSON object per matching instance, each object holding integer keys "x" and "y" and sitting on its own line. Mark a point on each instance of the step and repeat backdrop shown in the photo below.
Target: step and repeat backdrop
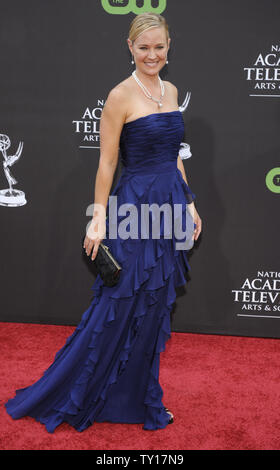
{"x": 59, "y": 60}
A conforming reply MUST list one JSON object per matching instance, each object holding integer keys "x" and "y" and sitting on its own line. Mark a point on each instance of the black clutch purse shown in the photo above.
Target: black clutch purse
{"x": 107, "y": 266}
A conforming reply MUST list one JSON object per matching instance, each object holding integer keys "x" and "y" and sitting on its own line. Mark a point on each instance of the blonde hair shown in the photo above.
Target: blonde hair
{"x": 146, "y": 21}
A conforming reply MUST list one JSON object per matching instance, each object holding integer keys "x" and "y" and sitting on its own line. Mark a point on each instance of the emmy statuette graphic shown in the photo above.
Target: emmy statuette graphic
{"x": 185, "y": 150}
{"x": 10, "y": 197}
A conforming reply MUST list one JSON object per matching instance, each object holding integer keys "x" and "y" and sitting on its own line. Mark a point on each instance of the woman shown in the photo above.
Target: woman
{"x": 108, "y": 368}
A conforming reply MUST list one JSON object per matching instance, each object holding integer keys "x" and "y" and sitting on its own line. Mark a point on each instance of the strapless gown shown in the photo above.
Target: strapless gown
{"x": 108, "y": 369}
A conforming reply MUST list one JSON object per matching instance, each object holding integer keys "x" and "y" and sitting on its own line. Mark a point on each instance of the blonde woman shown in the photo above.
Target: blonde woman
{"x": 108, "y": 369}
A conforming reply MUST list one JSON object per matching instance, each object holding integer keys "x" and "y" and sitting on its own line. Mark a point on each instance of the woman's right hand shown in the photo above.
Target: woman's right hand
{"x": 95, "y": 234}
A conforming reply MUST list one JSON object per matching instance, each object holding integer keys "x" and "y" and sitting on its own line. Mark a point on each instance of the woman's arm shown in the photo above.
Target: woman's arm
{"x": 111, "y": 123}
{"x": 180, "y": 166}
{"x": 196, "y": 218}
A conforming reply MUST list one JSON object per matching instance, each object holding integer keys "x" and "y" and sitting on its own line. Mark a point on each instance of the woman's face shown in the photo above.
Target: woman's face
{"x": 150, "y": 50}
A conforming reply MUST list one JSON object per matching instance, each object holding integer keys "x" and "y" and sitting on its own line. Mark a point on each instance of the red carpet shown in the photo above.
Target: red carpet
{"x": 224, "y": 392}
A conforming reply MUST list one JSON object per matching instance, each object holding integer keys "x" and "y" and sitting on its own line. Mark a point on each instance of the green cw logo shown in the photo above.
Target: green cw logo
{"x": 272, "y": 180}
{"x": 123, "y": 7}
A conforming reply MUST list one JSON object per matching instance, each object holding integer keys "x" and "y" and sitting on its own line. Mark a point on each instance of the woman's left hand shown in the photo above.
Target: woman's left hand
{"x": 197, "y": 220}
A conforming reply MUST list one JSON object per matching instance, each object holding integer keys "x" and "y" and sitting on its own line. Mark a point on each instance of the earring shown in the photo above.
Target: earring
{"x": 166, "y": 60}
{"x": 132, "y": 61}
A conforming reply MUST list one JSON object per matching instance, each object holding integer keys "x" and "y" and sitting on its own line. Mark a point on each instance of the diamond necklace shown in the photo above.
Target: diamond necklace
{"x": 146, "y": 91}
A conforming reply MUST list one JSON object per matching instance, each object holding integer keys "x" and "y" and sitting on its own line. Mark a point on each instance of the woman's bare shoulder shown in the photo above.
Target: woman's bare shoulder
{"x": 118, "y": 96}
{"x": 121, "y": 89}
{"x": 173, "y": 89}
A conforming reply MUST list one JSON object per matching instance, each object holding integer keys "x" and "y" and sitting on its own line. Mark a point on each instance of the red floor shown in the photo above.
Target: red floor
{"x": 224, "y": 392}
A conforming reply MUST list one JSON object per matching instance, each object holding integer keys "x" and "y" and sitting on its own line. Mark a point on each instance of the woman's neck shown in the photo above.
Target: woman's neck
{"x": 148, "y": 80}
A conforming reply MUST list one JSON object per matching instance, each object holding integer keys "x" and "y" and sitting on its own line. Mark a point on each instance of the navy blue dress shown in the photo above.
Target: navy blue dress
{"x": 108, "y": 369}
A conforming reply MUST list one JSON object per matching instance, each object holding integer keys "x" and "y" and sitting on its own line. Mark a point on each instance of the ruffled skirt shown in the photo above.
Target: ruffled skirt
{"x": 108, "y": 369}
